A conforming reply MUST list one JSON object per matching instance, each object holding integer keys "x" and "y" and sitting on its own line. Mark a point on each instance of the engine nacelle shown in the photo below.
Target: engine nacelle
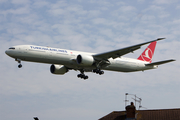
{"x": 85, "y": 60}
{"x": 58, "y": 69}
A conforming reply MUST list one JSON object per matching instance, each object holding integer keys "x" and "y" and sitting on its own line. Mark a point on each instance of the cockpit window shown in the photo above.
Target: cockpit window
{"x": 12, "y": 48}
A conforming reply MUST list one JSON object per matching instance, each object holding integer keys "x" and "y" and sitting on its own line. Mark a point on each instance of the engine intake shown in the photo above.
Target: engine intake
{"x": 85, "y": 60}
{"x": 58, "y": 69}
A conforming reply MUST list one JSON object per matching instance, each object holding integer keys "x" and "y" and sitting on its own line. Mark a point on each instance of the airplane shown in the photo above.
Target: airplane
{"x": 63, "y": 60}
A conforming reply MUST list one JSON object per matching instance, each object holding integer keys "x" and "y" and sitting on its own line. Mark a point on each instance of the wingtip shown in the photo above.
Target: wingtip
{"x": 161, "y": 38}
{"x": 173, "y": 60}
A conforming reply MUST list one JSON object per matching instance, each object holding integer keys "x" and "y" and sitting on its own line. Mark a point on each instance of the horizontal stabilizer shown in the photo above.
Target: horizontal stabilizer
{"x": 160, "y": 62}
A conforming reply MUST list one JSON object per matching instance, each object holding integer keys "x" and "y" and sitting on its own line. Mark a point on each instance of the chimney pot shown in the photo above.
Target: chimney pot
{"x": 130, "y": 111}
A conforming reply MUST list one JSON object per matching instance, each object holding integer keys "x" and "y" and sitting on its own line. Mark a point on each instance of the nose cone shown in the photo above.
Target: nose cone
{"x": 11, "y": 51}
{"x": 7, "y": 52}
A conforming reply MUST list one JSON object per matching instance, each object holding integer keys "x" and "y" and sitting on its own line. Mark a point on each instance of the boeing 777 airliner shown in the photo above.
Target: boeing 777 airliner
{"x": 64, "y": 60}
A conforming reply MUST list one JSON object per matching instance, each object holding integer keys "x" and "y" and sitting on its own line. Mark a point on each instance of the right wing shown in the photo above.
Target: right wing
{"x": 120, "y": 52}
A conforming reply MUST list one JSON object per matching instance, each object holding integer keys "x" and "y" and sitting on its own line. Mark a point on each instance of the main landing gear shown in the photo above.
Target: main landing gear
{"x": 98, "y": 71}
{"x": 82, "y": 75}
{"x": 19, "y": 61}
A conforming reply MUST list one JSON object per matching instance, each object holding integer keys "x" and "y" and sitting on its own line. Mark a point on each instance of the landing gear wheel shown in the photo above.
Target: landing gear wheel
{"x": 19, "y": 61}
{"x": 86, "y": 77}
{"x": 98, "y": 71}
{"x": 101, "y": 72}
{"x": 94, "y": 71}
{"x": 79, "y": 75}
{"x": 82, "y": 76}
{"x": 19, "y": 66}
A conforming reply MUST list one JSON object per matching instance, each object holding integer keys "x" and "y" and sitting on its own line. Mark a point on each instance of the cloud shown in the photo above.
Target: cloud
{"x": 20, "y": 1}
{"x": 178, "y": 7}
{"x": 157, "y": 11}
{"x": 40, "y": 4}
{"x": 127, "y": 8}
{"x": 3, "y": 1}
{"x": 18, "y": 11}
{"x": 141, "y": 1}
{"x": 99, "y": 21}
{"x": 164, "y": 1}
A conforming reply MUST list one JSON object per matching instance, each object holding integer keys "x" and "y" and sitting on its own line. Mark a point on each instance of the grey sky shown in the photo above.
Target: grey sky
{"x": 91, "y": 26}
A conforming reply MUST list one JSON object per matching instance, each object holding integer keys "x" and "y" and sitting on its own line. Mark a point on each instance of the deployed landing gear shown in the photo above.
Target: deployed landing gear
{"x": 19, "y": 66}
{"x": 98, "y": 71}
{"x": 82, "y": 75}
{"x": 19, "y": 61}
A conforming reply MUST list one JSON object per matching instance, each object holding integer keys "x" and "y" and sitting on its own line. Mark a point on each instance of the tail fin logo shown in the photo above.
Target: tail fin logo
{"x": 148, "y": 53}
{"x": 147, "y": 56}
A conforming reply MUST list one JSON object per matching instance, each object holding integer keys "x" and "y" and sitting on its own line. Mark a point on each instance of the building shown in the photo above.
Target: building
{"x": 158, "y": 114}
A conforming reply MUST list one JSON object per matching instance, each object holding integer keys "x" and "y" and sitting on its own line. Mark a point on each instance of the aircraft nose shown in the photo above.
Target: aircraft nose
{"x": 7, "y": 52}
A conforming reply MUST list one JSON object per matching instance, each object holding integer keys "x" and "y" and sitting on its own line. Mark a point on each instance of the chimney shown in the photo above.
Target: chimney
{"x": 130, "y": 112}
{"x": 36, "y": 118}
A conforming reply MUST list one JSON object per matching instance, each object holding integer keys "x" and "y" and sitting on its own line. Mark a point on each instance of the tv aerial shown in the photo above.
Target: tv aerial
{"x": 136, "y": 100}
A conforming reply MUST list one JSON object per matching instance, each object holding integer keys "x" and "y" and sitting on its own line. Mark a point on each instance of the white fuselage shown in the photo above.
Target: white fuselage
{"x": 67, "y": 58}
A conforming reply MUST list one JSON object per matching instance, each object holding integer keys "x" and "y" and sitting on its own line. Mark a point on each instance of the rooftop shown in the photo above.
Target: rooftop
{"x": 158, "y": 114}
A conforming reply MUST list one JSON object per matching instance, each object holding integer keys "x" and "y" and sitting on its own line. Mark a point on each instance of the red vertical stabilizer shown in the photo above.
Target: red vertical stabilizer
{"x": 148, "y": 53}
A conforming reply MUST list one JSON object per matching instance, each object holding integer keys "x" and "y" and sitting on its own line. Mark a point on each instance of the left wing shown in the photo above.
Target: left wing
{"x": 120, "y": 52}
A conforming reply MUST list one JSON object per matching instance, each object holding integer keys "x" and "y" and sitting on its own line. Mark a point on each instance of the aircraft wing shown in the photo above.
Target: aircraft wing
{"x": 120, "y": 52}
{"x": 160, "y": 62}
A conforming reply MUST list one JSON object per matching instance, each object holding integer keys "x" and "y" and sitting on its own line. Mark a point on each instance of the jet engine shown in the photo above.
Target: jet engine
{"x": 58, "y": 69}
{"x": 85, "y": 60}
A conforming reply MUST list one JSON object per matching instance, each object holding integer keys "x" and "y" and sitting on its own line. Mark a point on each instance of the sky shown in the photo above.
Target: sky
{"x": 92, "y": 26}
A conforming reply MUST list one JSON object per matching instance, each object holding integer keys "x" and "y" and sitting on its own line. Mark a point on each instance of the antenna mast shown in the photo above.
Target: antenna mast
{"x": 136, "y": 99}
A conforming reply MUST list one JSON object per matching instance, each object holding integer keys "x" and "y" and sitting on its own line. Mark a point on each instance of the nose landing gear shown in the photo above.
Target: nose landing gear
{"x": 19, "y": 66}
{"x": 19, "y": 61}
